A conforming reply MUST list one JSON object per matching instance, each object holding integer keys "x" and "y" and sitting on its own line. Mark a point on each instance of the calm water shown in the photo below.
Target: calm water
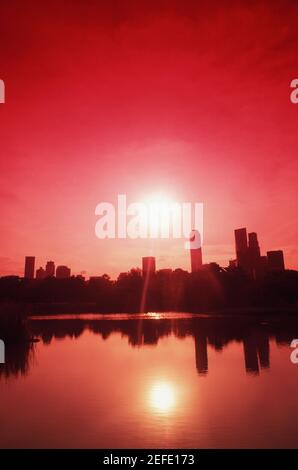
{"x": 151, "y": 381}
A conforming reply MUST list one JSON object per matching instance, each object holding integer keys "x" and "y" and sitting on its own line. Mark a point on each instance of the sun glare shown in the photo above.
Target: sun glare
{"x": 161, "y": 212}
{"x": 158, "y": 197}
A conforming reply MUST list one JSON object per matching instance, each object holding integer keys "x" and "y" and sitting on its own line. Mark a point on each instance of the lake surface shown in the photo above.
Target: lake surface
{"x": 155, "y": 380}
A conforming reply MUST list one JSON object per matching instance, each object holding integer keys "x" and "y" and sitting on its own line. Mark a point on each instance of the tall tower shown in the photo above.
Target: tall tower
{"x": 148, "y": 266}
{"x": 148, "y": 272}
{"x": 29, "y": 267}
{"x": 253, "y": 245}
{"x": 254, "y": 255}
{"x": 195, "y": 249}
{"x": 241, "y": 247}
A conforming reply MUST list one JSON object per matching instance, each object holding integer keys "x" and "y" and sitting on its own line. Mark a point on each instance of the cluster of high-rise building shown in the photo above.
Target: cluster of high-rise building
{"x": 61, "y": 272}
{"x": 249, "y": 258}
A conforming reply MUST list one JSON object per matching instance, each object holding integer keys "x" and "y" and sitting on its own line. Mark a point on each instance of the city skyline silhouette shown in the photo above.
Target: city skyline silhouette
{"x": 247, "y": 257}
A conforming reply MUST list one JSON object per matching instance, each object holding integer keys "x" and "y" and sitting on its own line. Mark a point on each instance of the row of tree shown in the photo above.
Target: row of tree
{"x": 209, "y": 289}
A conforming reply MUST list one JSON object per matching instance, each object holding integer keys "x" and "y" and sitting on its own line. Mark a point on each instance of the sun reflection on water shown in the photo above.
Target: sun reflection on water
{"x": 162, "y": 397}
{"x": 154, "y": 315}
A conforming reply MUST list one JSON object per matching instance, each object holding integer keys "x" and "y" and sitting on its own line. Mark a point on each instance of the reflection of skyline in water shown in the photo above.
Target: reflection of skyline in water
{"x": 210, "y": 332}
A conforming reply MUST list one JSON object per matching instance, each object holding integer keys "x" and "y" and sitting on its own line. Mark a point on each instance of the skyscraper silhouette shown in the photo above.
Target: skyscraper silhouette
{"x": 195, "y": 251}
{"x": 275, "y": 260}
{"x": 29, "y": 267}
{"x": 254, "y": 255}
{"x": 148, "y": 265}
{"x": 253, "y": 245}
{"x": 241, "y": 247}
{"x": 50, "y": 269}
{"x": 62, "y": 272}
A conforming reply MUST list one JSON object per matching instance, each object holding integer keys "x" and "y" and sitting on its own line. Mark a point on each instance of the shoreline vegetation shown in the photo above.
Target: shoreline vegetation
{"x": 210, "y": 290}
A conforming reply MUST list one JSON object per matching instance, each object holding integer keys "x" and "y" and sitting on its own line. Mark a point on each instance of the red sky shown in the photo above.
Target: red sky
{"x": 129, "y": 97}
